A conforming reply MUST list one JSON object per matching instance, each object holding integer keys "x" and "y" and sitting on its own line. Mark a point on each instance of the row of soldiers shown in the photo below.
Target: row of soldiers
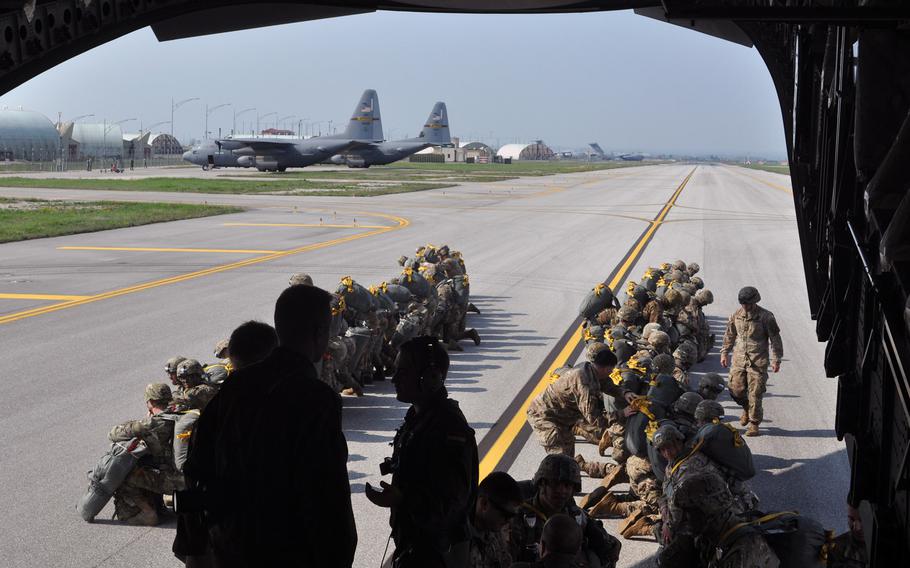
{"x": 430, "y": 296}
{"x": 688, "y": 471}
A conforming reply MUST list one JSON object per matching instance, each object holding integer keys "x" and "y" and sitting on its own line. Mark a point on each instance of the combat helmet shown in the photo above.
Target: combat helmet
{"x": 711, "y": 385}
{"x": 158, "y": 392}
{"x": 559, "y": 467}
{"x": 682, "y": 356}
{"x": 663, "y": 364}
{"x": 708, "y": 410}
{"x": 170, "y": 366}
{"x": 687, "y": 403}
{"x": 706, "y": 492}
{"x": 697, "y": 282}
{"x": 300, "y": 279}
{"x": 221, "y": 348}
{"x": 692, "y": 269}
{"x": 627, "y": 313}
{"x": 649, "y": 329}
{"x": 679, "y": 265}
{"x": 749, "y": 295}
{"x": 673, "y": 297}
{"x": 593, "y": 348}
{"x": 666, "y": 434}
{"x": 189, "y": 369}
{"x": 659, "y": 340}
{"x": 704, "y": 297}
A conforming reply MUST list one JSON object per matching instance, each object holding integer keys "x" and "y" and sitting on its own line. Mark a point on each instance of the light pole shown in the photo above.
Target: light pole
{"x": 288, "y": 117}
{"x": 154, "y": 125}
{"x": 112, "y": 125}
{"x": 238, "y": 113}
{"x": 208, "y": 113}
{"x": 175, "y": 106}
{"x": 260, "y": 117}
{"x": 80, "y": 117}
{"x": 300, "y": 123}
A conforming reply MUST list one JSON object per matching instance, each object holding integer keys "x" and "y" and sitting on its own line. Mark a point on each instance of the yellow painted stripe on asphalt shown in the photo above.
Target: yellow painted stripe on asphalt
{"x": 505, "y": 439}
{"x": 309, "y": 225}
{"x": 58, "y": 297}
{"x": 152, "y": 249}
{"x": 402, "y": 223}
{"x": 773, "y": 185}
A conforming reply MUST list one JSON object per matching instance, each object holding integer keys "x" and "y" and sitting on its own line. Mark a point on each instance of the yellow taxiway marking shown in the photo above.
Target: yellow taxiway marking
{"x": 772, "y": 185}
{"x": 309, "y": 225}
{"x": 152, "y": 249}
{"x": 401, "y": 223}
{"x": 507, "y": 437}
{"x": 58, "y": 297}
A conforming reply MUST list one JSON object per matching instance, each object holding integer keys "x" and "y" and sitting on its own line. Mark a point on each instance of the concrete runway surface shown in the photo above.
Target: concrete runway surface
{"x": 85, "y": 328}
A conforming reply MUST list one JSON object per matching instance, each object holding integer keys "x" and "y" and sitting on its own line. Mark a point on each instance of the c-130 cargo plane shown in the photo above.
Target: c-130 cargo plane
{"x": 360, "y": 145}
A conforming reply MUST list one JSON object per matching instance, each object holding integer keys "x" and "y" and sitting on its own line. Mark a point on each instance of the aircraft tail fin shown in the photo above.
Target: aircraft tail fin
{"x": 436, "y": 129}
{"x": 365, "y": 123}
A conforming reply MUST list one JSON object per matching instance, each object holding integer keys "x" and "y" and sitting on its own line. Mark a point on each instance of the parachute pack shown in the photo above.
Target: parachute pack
{"x": 597, "y": 300}
{"x": 183, "y": 430}
{"x": 108, "y": 475}
{"x": 415, "y": 282}
{"x": 798, "y": 541}
{"x": 355, "y": 296}
{"x": 723, "y": 443}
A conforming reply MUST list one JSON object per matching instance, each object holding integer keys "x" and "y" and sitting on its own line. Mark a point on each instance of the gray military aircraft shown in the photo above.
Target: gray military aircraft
{"x": 435, "y": 133}
{"x": 279, "y": 154}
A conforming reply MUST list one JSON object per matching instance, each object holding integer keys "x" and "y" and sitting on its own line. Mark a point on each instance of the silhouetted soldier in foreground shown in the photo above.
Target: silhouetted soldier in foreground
{"x": 269, "y": 454}
{"x": 560, "y": 544}
{"x": 433, "y": 465}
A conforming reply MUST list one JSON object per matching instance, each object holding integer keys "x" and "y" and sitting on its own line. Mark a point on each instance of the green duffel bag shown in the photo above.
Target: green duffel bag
{"x": 597, "y": 300}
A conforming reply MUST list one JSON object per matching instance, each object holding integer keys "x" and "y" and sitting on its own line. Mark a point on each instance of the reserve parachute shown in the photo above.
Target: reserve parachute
{"x": 723, "y": 443}
{"x": 597, "y": 300}
{"x": 108, "y": 475}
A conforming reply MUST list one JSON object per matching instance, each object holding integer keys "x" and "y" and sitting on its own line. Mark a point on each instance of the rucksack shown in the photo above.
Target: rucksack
{"x": 797, "y": 541}
{"x": 724, "y": 444}
{"x": 597, "y": 300}
{"x": 183, "y": 430}
{"x": 355, "y": 296}
{"x": 108, "y": 475}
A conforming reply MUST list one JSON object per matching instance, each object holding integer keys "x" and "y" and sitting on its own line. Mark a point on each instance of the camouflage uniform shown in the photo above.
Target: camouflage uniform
{"x": 747, "y": 336}
{"x": 846, "y": 552}
{"x": 574, "y": 397}
{"x": 489, "y": 549}
{"x": 156, "y": 475}
{"x": 193, "y": 393}
{"x": 643, "y": 484}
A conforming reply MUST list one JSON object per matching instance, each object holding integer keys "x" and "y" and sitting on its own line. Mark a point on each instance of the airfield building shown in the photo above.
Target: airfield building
{"x": 534, "y": 151}
{"x": 27, "y": 135}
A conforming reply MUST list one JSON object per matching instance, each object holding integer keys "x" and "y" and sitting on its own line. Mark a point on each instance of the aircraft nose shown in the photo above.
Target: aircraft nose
{"x": 188, "y": 156}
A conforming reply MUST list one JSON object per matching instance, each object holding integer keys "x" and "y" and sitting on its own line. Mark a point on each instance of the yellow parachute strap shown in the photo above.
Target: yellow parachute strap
{"x": 422, "y": 268}
{"x": 754, "y": 523}
{"x": 689, "y": 455}
{"x": 609, "y": 339}
{"x": 643, "y": 405}
{"x": 616, "y": 375}
{"x": 599, "y": 289}
{"x": 636, "y": 365}
{"x": 188, "y": 433}
{"x": 384, "y": 287}
{"x": 409, "y": 272}
{"x": 229, "y": 367}
{"x": 630, "y": 287}
{"x": 588, "y": 336}
{"x": 534, "y": 510}
{"x": 341, "y": 307}
{"x": 826, "y": 548}
{"x": 647, "y": 274}
{"x": 650, "y": 429}
{"x": 464, "y": 278}
{"x": 348, "y": 283}
{"x": 661, "y": 282}
{"x": 665, "y": 266}
{"x": 553, "y": 377}
{"x": 738, "y": 441}
{"x": 374, "y": 290}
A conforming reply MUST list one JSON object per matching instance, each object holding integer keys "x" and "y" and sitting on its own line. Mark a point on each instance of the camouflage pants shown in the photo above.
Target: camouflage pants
{"x": 142, "y": 488}
{"x": 747, "y": 385}
{"x": 620, "y": 452}
{"x": 590, "y": 432}
{"x": 644, "y": 484}
{"x": 749, "y": 551}
{"x": 555, "y": 438}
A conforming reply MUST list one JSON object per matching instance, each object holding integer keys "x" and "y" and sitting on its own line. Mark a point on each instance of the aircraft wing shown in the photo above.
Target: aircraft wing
{"x": 256, "y": 144}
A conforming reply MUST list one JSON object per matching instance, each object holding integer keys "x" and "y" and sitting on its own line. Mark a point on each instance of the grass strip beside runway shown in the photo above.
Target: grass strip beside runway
{"x": 35, "y": 219}
{"x": 273, "y": 185}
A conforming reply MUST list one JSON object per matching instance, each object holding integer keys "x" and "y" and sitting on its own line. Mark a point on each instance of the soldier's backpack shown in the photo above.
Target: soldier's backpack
{"x": 597, "y": 300}
{"x": 406, "y": 330}
{"x": 724, "y": 444}
{"x": 414, "y": 281}
{"x": 355, "y": 296}
{"x": 797, "y": 541}
{"x": 108, "y": 475}
{"x": 183, "y": 430}
{"x": 664, "y": 391}
{"x": 636, "y": 434}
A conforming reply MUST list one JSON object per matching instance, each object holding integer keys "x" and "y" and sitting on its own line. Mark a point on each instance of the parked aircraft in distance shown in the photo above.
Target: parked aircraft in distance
{"x": 435, "y": 133}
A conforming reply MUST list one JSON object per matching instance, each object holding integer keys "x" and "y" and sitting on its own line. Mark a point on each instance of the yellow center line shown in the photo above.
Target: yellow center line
{"x": 402, "y": 223}
{"x": 309, "y": 225}
{"x": 152, "y": 249}
{"x": 8, "y": 296}
{"x": 505, "y": 439}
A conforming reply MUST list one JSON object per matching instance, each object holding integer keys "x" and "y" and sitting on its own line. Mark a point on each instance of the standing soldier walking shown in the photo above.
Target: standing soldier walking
{"x": 749, "y": 331}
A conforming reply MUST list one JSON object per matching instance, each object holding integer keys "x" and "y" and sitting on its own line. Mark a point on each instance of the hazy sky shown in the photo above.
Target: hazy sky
{"x": 628, "y": 82}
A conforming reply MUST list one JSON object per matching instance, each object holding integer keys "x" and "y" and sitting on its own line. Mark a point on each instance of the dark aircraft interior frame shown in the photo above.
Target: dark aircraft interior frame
{"x": 841, "y": 69}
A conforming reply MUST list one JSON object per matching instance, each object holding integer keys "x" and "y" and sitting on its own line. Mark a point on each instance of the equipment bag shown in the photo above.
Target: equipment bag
{"x": 797, "y": 541}
{"x": 108, "y": 475}
{"x": 664, "y": 391}
{"x": 183, "y": 430}
{"x": 355, "y": 296}
{"x": 597, "y": 300}
{"x": 636, "y": 437}
{"x": 724, "y": 444}
{"x": 414, "y": 281}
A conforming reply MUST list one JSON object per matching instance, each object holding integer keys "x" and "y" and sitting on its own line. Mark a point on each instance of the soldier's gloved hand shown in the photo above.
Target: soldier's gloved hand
{"x": 629, "y": 396}
{"x": 775, "y": 366}
{"x": 628, "y": 411}
{"x": 387, "y": 497}
{"x": 724, "y": 362}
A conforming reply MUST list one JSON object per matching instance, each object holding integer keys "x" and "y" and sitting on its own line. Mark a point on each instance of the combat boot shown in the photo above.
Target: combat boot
{"x": 472, "y": 309}
{"x": 616, "y": 476}
{"x": 593, "y": 498}
{"x": 472, "y": 334}
{"x": 629, "y": 521}
{"x": 605, "y": 442}
{"x": 611, "y": 507}
{"x": 353, "y": 391}
{"x": 744, "y": 418}
{"x": 146, "y": 517}
{"x": 752, "y": 430}
{"x": 452, "y": 345}
{"x": 641, "y": 527}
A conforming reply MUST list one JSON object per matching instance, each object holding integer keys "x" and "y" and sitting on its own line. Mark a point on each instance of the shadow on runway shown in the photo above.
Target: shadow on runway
{"x": 828, "y": 434}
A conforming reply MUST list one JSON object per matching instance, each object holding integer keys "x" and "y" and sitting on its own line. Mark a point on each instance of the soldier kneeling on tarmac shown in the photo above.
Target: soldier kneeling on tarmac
{"x": 557, "y": 479}
{"x": 138, "y": 501}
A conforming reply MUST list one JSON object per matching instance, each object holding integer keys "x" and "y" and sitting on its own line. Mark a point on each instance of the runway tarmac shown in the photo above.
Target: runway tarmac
{"x": 86, "y": 321}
